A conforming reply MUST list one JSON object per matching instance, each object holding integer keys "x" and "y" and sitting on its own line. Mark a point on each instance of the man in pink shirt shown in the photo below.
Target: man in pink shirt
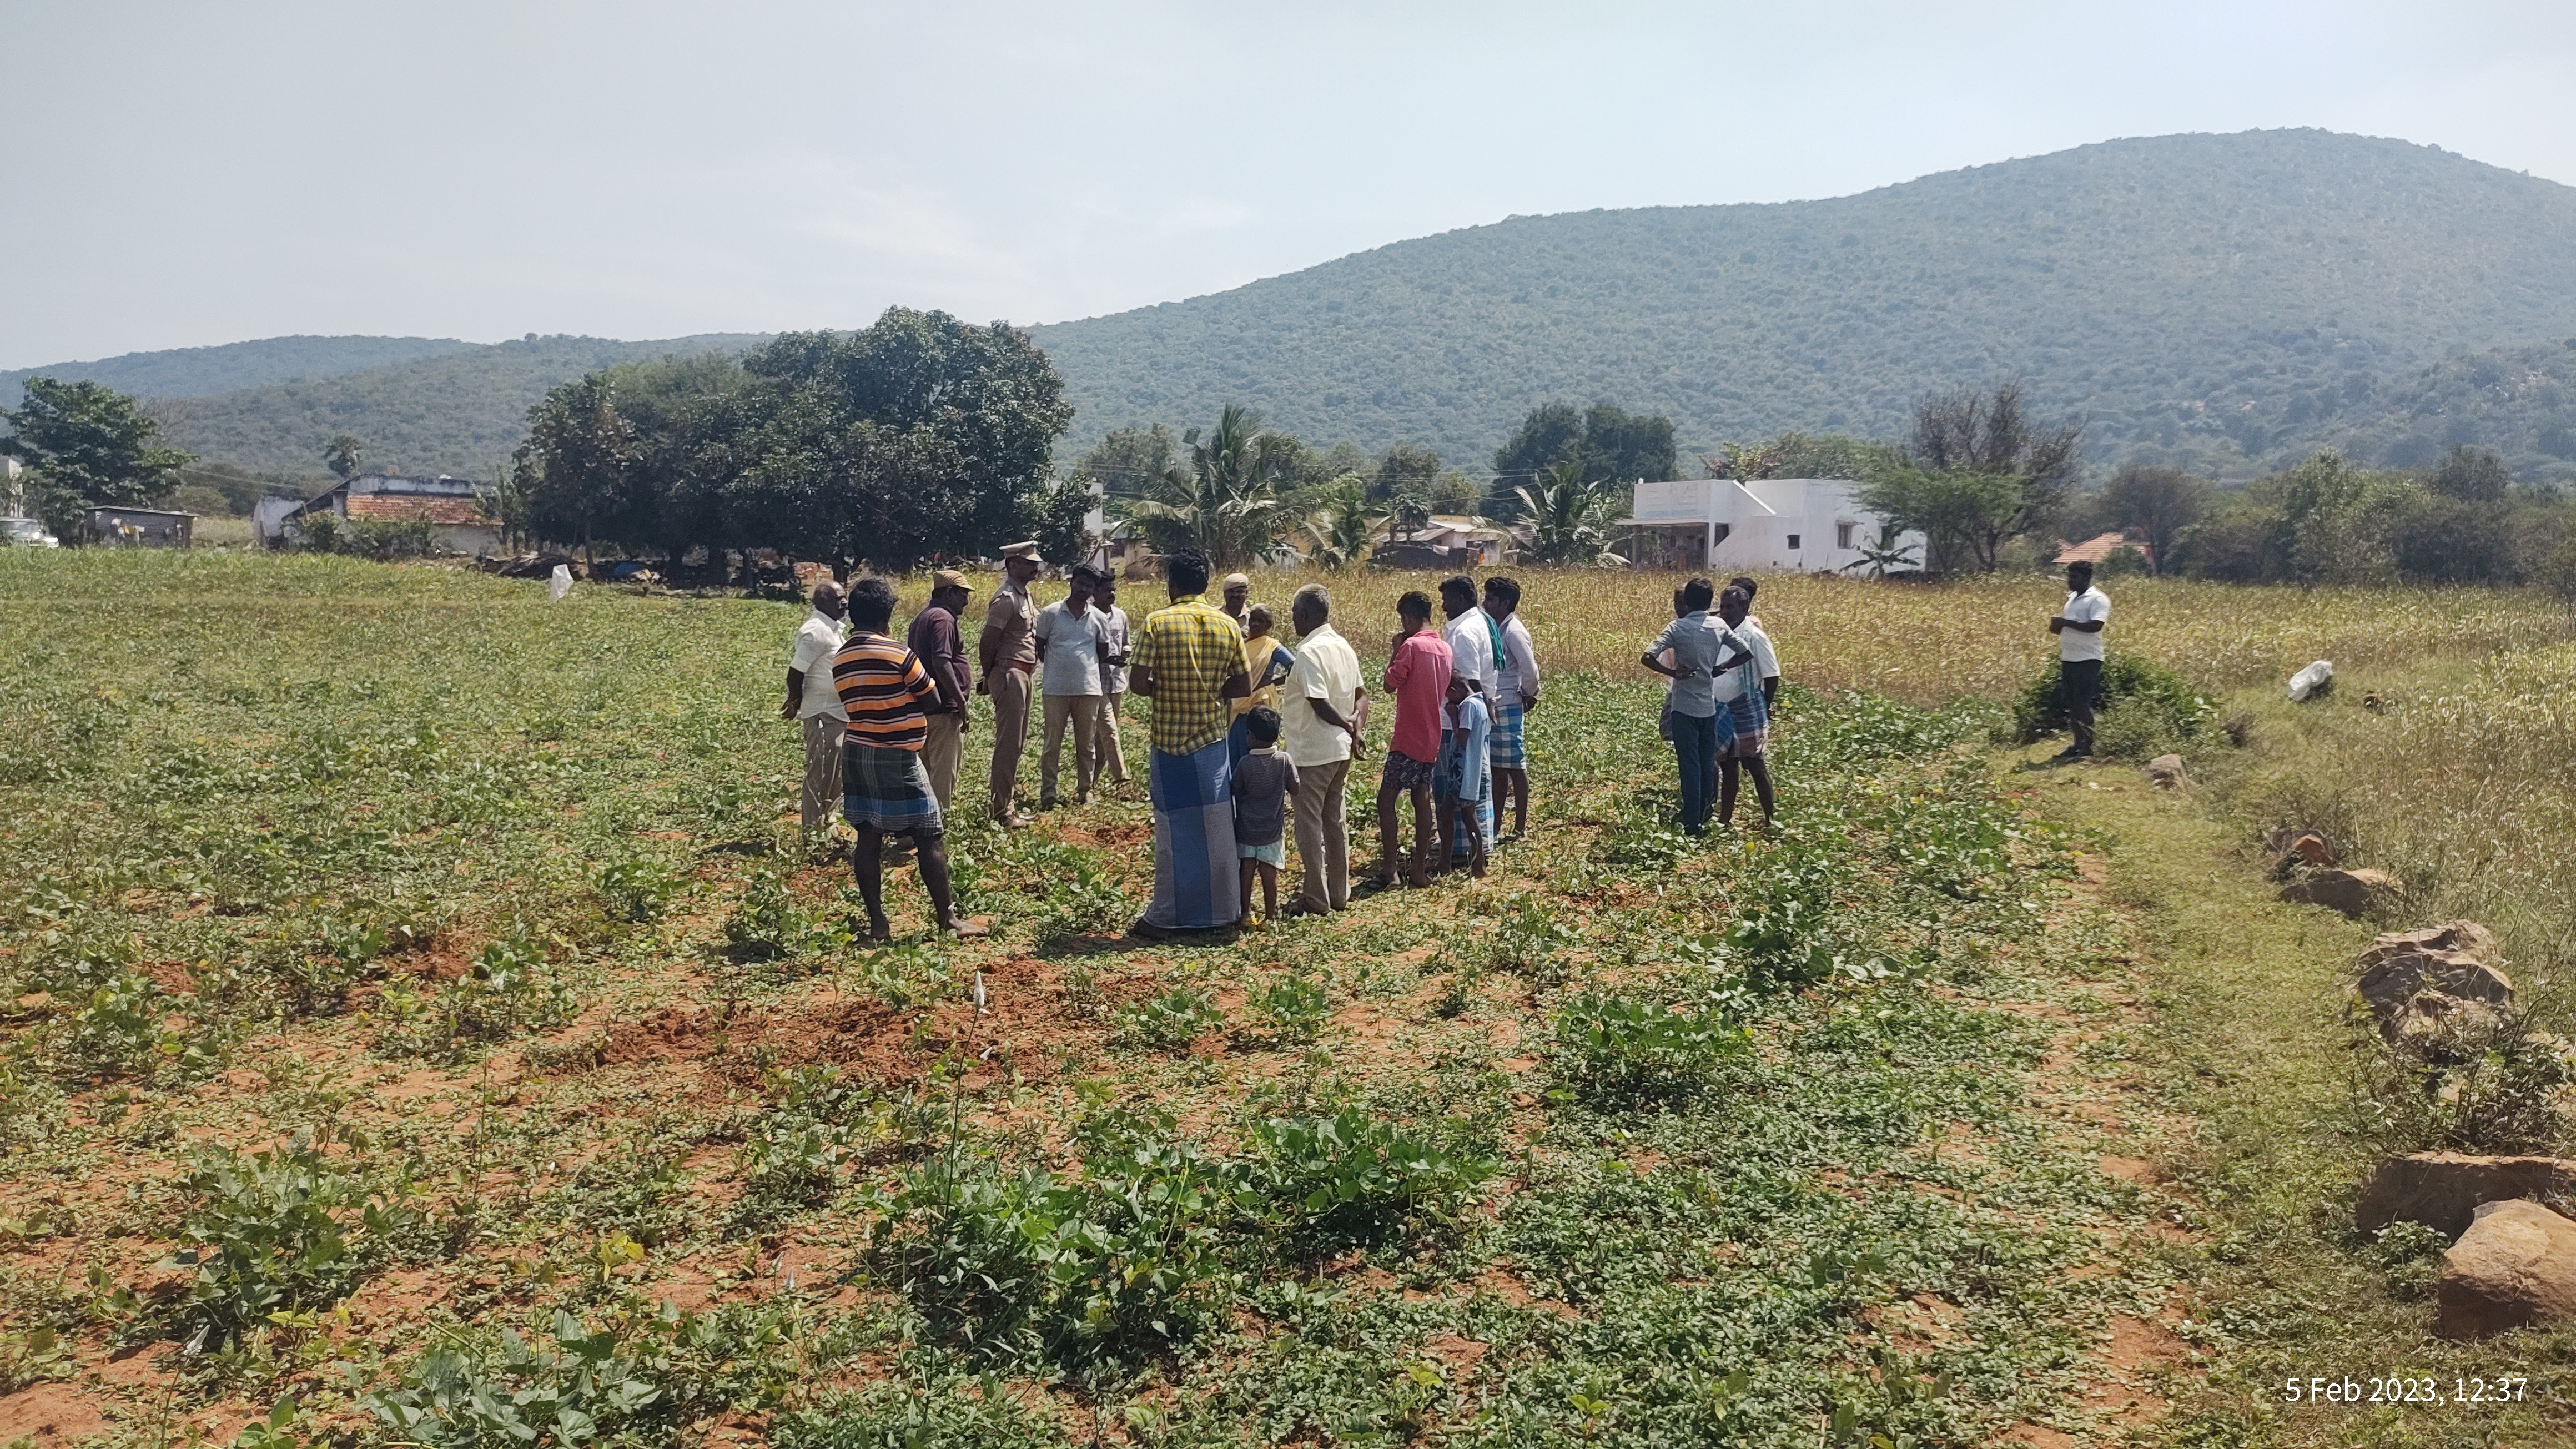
{"x": 1417, "y": 674}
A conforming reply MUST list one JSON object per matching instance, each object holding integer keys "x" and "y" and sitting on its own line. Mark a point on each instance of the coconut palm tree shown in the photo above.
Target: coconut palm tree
{"x": 1225, "y": 503}
{"x": 1345, "y": 526}
{"x": 1570, "y": 517}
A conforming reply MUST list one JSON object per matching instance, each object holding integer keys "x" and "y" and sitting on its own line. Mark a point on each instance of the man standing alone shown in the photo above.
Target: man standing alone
{"x": 1323, "y": 712}
{"x": 1009, "y": 655}
{"x": 1514, "y": 693}
{"x": 1189, "y": 661}
{"x": 935, "y": 640}
{"x": 2078, "y": 628}
{"x": 812, "y": 700}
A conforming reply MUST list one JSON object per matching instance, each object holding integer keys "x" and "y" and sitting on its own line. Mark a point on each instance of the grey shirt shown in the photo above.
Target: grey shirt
{"x": 1261, "y": 785}
{"x": 1698, "y": 641}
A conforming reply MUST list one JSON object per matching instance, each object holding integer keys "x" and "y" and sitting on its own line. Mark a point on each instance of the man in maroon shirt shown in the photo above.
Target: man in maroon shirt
{"x": 935, "y": 640}
{"x": 1417, "y": 674}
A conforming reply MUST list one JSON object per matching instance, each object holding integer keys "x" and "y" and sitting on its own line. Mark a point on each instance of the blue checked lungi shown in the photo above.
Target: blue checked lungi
{"x": 887, "y": 788}
{"x": 1752, "y": 719}
{"x": 1448, "y": 774}
{"x": 1505, "y": 745}
{"x": 1197, "y": 883}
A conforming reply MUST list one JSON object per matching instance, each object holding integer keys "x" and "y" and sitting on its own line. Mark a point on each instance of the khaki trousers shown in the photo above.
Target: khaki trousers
{"x": 1107, "y": 758}
{"x": 1323, "y": 837}
{"x": 822, "y": 797}
{"x": 1010, "y": 690}
{"x": 1082, "y": 712}
{"x": 943, "y": 748}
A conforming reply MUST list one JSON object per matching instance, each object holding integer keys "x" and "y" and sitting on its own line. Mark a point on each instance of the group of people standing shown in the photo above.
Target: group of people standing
{"x": 1251, "y": 742}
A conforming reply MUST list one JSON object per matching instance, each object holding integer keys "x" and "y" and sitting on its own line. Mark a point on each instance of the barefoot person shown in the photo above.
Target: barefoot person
{"x": 1699, "y": 650}
{"x": 1466, "y": 778}
{"x": 1747, "y": 691}
{"x": 1515, "y": 692}
{"x": 884, "y": 789}
{"x": 1264, "y": 779}
{"x": 1188, "y": 660}
{"x": 2078, "y": 627}
{"x": 1417, "y": 674}
{"x": 812, "y": 702}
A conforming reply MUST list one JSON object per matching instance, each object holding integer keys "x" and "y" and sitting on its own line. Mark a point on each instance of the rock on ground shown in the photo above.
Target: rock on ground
{"x": 2391, "y": 982}
{"x": 2349, "y": 891}
{"x": 2292, "y": 845}
{"x": 2466, "y": 937}
{"x": 2168, "y": 771}
{"x": 2515, "y": 1267}
{"x": 2442, "y": 1190}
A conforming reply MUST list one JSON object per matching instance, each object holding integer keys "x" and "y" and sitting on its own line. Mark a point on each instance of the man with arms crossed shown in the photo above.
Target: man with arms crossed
{"x": 2078, "y": 628}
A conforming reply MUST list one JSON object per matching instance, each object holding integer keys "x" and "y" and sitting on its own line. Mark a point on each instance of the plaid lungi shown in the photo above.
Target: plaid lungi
{"x": 1752, "y": 720}
{"x": 1506, "y": 748}
{"x": 887, "y": 788}
{"x": 1197, "y": 880}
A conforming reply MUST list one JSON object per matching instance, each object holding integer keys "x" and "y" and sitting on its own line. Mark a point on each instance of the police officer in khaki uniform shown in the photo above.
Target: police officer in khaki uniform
{"x": 1009, "y": 657}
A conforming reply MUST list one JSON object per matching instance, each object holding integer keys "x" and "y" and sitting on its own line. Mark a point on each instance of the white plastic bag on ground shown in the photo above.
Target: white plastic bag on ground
{"x": 2311, "y": 679}
{"x": 562, "y": 585}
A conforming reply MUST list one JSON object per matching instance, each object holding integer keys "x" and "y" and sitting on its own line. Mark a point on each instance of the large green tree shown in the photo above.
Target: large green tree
{"x": 1225, "y": 502}
{"x": 2155, "y": 504}
{"x": 1990, "y": 473}
{"x": 1605, "y": 443}
{"x": 87, "y": 444}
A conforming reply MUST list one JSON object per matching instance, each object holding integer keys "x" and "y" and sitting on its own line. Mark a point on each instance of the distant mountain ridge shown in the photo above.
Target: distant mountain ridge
{"x": 2223, "y": 302}
{"x": 198, "y": 371}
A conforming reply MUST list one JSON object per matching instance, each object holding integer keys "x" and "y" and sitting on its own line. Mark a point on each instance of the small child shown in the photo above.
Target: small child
{"x": 1263, "y": 780}
{"x": 1465, "y": 781}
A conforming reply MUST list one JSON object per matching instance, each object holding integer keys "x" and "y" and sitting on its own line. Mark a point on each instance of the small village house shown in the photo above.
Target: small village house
{"x": 1780, "y": 525}
{"x": 453, "y": 507}
{"x": 113, "y": 525}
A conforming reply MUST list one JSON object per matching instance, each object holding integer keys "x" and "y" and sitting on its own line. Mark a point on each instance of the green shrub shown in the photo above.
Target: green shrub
{"x": 1528, "y": 940}
{"x": 276, "y": 1230}
{"x": 634, "y": 890}
{"x": 1290, "y": 1011}
{"x": 1085, "y": 903}
{"x": 947, "y": 1409}
{"x": 1169, "y": 1022}
{"x": 508, "y": 989}
{"x": 1617, "y": 1051}
{"x": 2129, "y": 681}
{"x": 1351, "y": 1178}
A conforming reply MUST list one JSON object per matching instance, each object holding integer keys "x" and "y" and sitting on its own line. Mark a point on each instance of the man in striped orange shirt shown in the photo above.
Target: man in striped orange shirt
{"x": 884, "y": 789}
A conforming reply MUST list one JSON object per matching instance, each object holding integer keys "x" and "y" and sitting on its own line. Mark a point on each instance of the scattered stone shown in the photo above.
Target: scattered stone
{"x": 2434, "y": 1026}
{"x": 2514, "y": 1267}
{"x": 2167, "y": 771}
{"x": 2467, "y": 937}
{"x": 2293, "y": 846}
{"x": 2442, "y": 1190}
{"x": 2393, "y": 981}
{"x": 2350, "y": 891}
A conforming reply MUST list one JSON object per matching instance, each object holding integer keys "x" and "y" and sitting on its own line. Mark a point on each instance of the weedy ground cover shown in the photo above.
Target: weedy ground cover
{"x": 583, "y": 1119}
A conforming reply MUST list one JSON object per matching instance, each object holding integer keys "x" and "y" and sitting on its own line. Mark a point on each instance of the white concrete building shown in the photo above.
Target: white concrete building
{"x": 1778, "y": 525}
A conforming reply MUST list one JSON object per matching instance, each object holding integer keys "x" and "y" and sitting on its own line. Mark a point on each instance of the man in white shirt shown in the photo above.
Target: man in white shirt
{"x": 2078, "y": 627}
{"x": 1474, "y": 643}
{"x": 812, "y": 699}
{"x": 1514, "y": 692}
{"x": 1110, "y": 759}
{"x": 1323, "y": 711}
{"x": 1070, "y": 646}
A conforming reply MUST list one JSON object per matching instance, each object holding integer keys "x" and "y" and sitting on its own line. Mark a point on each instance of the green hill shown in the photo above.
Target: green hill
{"x": 197, "y": 371}
{"x": 2225, "y": 300}
{"x": 2226, "y": 303}
{"x": 460, "y": 413}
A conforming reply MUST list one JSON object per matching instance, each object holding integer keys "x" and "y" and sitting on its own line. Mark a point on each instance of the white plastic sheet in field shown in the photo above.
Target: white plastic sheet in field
{"x": 562, "y": 585}
{"x": 2310, "y": 680}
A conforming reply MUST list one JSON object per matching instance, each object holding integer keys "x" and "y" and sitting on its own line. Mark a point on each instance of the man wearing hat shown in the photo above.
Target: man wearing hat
{"x": 1009, "y": 656}
{"x": 1238, "y": 600}
{"x": 935, "y": 639}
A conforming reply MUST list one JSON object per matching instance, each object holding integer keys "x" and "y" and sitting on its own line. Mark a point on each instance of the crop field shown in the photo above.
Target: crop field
{"x": 418, "y": 1027}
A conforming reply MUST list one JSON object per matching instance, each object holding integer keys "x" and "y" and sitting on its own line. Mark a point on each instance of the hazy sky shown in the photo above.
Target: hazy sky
{"x": 190, "y": 173}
